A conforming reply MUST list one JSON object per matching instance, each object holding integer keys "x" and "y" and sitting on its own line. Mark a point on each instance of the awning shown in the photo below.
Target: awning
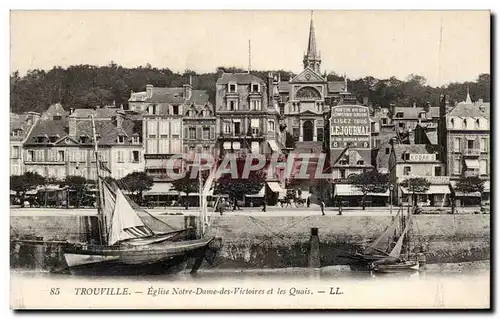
{"x": 470, "y": 163}
{"x": 254, "y": 122}
{"x": 236, "y": 145}
{"x": 433, "y": 189}
{"x": 486, "y": 187}
{"x": 227, "y": 145}
{"x": 275, "y": 187}
{"x": 352, "y": 190}
{"x": 274, "y": 146}
{"x": 474, "y": 194}
{"x": 255, "y": 147}
{"x": 259, "y": 194}
{"x": 161, "y": 189}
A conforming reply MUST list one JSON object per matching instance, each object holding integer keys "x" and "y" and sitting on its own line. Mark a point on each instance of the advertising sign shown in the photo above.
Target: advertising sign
{"x": 350, "y": 124}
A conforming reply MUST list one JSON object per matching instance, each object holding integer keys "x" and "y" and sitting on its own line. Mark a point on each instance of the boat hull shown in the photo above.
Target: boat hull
{"x": 398, "y": 267}
{"x": 126, "y": 259}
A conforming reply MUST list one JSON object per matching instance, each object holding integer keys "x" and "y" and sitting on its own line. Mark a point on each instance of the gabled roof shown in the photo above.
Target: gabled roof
{"x": 49, "y": 127}
{"x": 105, "y": 112}
{"x": 239, "y": 78}
{"x": 467, "y": 110}
{"x": 308, "y": 75}
{"x": 170, "y": 96}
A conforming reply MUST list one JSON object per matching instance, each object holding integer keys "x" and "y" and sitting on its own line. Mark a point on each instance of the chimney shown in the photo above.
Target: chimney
{"x": 149, "y": 91}
{"x": 119, "y": 120}
{"x": 365, "y": 101}
{"x": 270, "y": 84}
{"x": 414, "y": 104}
{"x": 480, "y": 101}
{"x": 71, "y": 110}
{"x": 187, "y": 90}
{"x": 72, "y": 126}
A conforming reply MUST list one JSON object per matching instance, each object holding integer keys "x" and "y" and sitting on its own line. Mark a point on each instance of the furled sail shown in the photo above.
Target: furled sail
{"x": 126, "y": 224}
{"x": 382, "y": 243}
{"x": 108, "y": 206}
{"x": 396, "y": 251}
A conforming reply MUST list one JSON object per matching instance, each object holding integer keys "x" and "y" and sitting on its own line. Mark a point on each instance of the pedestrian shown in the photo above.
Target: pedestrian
{"x": 340, "y": 207}
{"x": 308, "y": 201}
{"x": 322, "y": 206}
{"x": 221, "y": 206}
{"x": 264, "y": 206}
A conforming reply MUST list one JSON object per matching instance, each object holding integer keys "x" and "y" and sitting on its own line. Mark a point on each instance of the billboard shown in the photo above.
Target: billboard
{"x": 350, "y": 124}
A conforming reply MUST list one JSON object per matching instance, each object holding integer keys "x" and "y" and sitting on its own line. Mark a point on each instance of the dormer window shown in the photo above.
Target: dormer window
{"x": 56, "y": 117}
{"x": 16, "y": 132}
{"x": 452, "y": 121}
{"x": 384, "y": 120}
{"x": 422, "y": 115}
{"x": 231, "y": 88}
{"x": 206, "y": 112}
{"x": 361, "y": 162}
{"x": 121, "y": 139}
{"x": 84, "y": 139}
{"x": 39, "y": 139}
{"x": 135, "y": 140}
{"x": 175, "y": 109}
{"x": 53, "y": 139}
{"x": 465, "y": 123}
{"x": 406, "y": 156}
{"x": 344, "y": 161}
{"x": 152, "y": 109}
{"x": 477, "y": 123}
{"x": 255, "y": 87}
{"x": 399, "y": 114}
{"x": 191, "y": 113}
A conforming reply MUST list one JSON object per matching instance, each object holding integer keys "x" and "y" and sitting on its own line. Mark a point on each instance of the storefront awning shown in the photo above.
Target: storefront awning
{"x": 161, "y": 189}
{"x": 433, "y": 189}
{"x": 236, "y": 145}
{"x": 274, "y": 146}
{"x": 261, "y": 193}
{"x": 275, "y": 187}
{"x": 352, "y": 190}
{"x": 486, "y": 187}
{"x": 471, "y": 163}
{"x": 227, "y": 145}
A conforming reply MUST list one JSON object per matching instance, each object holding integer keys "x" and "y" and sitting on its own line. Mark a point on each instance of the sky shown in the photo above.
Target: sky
{"x": 443, "y": 46}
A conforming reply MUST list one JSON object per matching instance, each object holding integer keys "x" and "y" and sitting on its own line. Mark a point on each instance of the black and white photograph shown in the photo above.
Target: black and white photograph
{"x": 250, "y": 159}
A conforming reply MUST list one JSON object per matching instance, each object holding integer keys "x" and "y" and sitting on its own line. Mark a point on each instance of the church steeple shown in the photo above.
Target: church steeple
{"x": 468, "y": 100}
{"x": 312, "y": 58}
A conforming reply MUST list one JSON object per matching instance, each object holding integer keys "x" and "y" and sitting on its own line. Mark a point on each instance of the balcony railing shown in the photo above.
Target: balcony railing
{"x": 473, "y": 152}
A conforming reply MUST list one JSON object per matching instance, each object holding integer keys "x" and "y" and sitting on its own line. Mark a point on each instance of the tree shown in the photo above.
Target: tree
{"x": 76, "y": 186}
{"x": 289, "y": 141}
{"x": 26, "y": 182}
{"x": 470, "y": 184}
{"x": 416, "y": 185}
{"x": 189, "y": 185}
{"x": 136, "y": 183}
{"x": 370, "y": 182}
{"x": 237, "y": 187}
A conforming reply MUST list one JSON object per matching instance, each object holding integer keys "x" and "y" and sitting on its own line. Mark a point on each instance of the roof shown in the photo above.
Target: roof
{"x": 468, "y": 110}
{"x": 284, "y": 87}
{"x": 49, "y": 127}
{"x": 433, "y": 137}
{"x": 20, "y": 122}
{"x": 170, "y": 96}
{"x": 105, "y": 112}
{"x": 240, "y": 78}
{"x": 408, "y": 112}
{"x": 336, "y": 86}
{"x": 400, "y": 149}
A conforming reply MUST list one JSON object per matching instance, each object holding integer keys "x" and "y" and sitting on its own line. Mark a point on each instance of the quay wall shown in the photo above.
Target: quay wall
{"x": 283, "y": 241}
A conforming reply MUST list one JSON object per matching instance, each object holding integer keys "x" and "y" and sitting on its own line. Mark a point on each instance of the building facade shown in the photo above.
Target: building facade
{"x": 20, "y": 128}
{"x": 199, "y": 130}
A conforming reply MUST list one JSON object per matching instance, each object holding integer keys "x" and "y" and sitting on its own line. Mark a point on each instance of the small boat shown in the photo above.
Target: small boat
{"x": 398, "y": 267}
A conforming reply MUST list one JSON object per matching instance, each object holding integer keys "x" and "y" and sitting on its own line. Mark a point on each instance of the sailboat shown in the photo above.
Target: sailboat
{"x": 395, "y": 262}
{"x": 121, "y": 241}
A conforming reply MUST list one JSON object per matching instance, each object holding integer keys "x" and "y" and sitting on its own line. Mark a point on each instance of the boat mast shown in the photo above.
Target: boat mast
{"x": 200, "y": 190}
{"x": 98, "y": 183}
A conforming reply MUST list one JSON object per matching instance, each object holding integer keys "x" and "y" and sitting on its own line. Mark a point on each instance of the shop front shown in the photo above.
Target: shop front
{"x": 435, "y": 196}
{"x": 350, "y": 195}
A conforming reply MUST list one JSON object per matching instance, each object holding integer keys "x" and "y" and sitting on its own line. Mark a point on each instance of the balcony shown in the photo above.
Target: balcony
{"x": 472, "y": 152}
{"x": 232, "y": 136}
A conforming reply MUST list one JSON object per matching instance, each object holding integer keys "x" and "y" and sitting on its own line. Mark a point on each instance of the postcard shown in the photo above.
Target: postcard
{"x": 250, "y": 160}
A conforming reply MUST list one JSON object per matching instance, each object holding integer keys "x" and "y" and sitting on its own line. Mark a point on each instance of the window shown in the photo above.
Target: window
{"x": 152, "y": 129}
{"x": 176, "y": 129}
{"x": 152, "y": 109}
{"x": 270, "y": 125}
{"x": 344, "y": 161}
{"x": 206, "y": 113}
{"x": 135, "y": 156}
{"x": 456, "y": 144}
{"x": 437, "y": 171}
{"x": 39, "y": 139}
{"x": 483, "y": 143}
{"x": 84, "y": 139}
{"x": 422, "y": 115}
{"x": 231, "y": 105}
{"x": 399, "y": 114}
{"x": 387, "y": 150}
{"x": 401, "y": 124}
{"x": 360, "y": 162}
{"x": 175, "y": 109}
{"x": 191, "y": 113}
{"x": 135, "y": 140}
{"x": 121, "y": 140}
{"x": 255, "y": 87}
{"x": 227, "y": 128}
{"x": 232, "y": 88}
{"x": 470, "y": 144}
{"x": 476, "y": 124}
{"x": 152, "y": 147}
{"x": 56, "y": 117}
{"x": 456, "y": 166}
{"x": 16, "y": 132}
{"x": 406, "y": 170}
{"x": 319, "y": 134}
{"x": 237, "y": 128}
{"x": 206, "y": 149}
{"x": 483, "y": 167}
{"x": 206, "y": 133}
{"x": 465, "y": 123}
{"x": 342, "y": 173}
{"x": 31, "y": 155}
{"x": 192, "y": 133}
{"x": 384, "y": 120}
{"x": 15, "y": 151}
{"x": 119, "y": 156}
{"x": 60, "y": 156}
{"x": 255, "y": 105}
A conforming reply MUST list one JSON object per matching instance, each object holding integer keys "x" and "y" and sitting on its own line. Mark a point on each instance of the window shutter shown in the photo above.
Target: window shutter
{"x": 199, "y": 133}
{"x": 212, "y": 133}
{"x": 186, "y": 132}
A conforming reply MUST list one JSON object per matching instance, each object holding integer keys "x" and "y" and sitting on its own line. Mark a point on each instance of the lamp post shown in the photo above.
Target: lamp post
{"x": 391, "y": 187}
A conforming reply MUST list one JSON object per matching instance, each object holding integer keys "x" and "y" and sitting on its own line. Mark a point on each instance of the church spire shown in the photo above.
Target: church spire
{"x": 468, "y": 100}
{"x": 311, "y": 58}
